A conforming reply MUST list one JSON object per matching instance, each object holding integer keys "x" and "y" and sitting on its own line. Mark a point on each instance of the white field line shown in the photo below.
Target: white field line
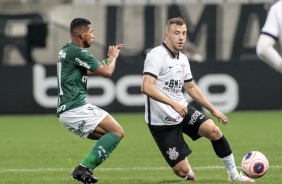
{"x": 117, "y": 169}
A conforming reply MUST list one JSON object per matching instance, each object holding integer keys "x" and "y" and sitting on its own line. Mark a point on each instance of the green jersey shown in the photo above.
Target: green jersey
{"x": 73, "y": 63}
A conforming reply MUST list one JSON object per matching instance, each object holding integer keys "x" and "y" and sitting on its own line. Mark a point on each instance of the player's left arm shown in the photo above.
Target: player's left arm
{"x": 107, "y": 66}
{"x": 194, "y": 92}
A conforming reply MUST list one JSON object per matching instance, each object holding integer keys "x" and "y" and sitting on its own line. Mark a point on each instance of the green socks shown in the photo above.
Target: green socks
{"x": 101, "y": 150}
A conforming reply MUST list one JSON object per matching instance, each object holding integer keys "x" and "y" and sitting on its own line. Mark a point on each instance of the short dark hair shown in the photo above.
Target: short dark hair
{"x": 178, "y": 21}
{"x": 78, "y": 23}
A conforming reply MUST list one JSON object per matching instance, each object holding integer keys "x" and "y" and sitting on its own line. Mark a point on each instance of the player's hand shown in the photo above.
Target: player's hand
{"x": 119, "y": 46}
{"x": 220, "y": 116}
{"x": 181, "y": 109}
{"x": 114, "y": 51}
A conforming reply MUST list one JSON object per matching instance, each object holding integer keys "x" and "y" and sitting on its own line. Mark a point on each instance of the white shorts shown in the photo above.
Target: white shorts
{"x": 82, "y": 120}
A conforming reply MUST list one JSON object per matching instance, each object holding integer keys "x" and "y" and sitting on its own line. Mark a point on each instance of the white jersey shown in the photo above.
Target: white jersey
{"x": 273, "y": 23}
{"x": 171, "y": 73}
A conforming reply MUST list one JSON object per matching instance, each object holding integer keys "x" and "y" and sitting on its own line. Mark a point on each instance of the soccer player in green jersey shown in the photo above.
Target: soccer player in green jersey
{"x": 74, "y": 66}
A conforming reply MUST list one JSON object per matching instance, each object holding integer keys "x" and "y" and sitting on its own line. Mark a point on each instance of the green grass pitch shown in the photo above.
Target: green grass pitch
{"x": 39, "y": 150}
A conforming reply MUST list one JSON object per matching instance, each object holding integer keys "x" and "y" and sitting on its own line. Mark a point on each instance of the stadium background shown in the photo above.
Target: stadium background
{"x": 224, "y": 33}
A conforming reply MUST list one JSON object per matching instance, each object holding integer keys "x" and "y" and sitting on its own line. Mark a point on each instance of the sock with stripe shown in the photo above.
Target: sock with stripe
{"x": 101, "y": 150}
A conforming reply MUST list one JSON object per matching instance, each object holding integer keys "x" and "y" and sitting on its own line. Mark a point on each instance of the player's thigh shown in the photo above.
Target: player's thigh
{"x": 192, "y": 122}
{"x": 109, "y": 124}
{"x": 209, "y": 130}
{"x": 171, "y": 143}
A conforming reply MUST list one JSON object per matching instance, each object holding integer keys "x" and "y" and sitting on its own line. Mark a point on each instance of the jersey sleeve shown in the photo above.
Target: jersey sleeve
{"x": 271, "y": 26}
{"x": 83, "y": 58}
{"x": 152, "y": 64}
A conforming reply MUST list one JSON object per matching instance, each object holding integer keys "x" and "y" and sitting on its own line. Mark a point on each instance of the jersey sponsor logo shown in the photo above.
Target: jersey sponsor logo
{"x": 172, "y": 153}
{"x": 82, "y": 63}
{"x": 174, "y": 86}
{"x": 81, "y": 126}
{"x": 195, "y": 116}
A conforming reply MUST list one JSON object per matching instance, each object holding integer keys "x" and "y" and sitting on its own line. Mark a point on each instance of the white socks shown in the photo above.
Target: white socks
{"x": 229, "y": 164}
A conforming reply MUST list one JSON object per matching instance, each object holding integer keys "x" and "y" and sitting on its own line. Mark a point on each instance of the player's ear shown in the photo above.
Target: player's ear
{"x": 166, "y": 34}
{"x": 81, "y": 34}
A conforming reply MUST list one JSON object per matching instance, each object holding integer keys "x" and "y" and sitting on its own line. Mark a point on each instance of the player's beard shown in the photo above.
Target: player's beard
{"x": 86, "y": 44}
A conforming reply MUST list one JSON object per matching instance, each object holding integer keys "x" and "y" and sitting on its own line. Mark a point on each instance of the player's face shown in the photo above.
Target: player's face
{"x": 88, "y": 37}
{"x": 176, "y": 37}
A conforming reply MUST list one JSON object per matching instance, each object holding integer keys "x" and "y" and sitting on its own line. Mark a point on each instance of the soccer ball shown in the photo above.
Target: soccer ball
{"x": 254, "y": 164}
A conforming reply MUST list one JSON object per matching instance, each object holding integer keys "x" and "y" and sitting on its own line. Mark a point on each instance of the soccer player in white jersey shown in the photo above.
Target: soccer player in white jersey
{"x": 271, "y": 34}
{"x": 85, "y": 120}
{"x": 168, "y": 115}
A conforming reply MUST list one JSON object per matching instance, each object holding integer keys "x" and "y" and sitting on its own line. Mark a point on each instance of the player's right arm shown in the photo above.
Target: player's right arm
{"x": 148, "y": 88}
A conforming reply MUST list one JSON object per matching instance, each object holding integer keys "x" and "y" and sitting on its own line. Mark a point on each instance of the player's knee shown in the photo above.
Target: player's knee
{"x": 181, "y": 169}
{"x": 181, "y": 172}
{"x": 119, "y": 132}
{"x": 215, "y": 133}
